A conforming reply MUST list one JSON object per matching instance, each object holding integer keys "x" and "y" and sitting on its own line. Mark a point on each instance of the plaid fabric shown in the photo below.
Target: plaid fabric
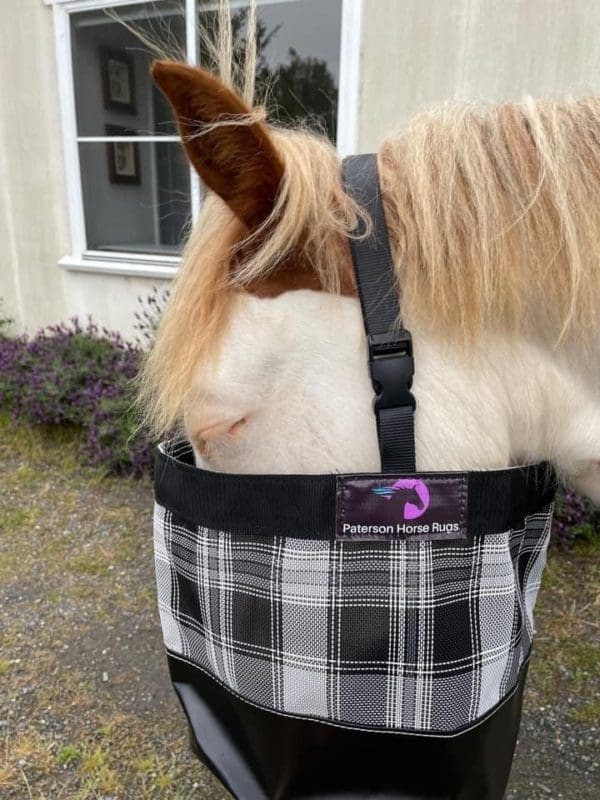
{"x": 411, "y": 636}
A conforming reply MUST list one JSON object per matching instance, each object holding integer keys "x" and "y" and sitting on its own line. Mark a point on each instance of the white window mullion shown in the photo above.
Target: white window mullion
{"x": 349, "y": 88}
{"x": 191, "y": 48}
{"x": 191, "y": 34}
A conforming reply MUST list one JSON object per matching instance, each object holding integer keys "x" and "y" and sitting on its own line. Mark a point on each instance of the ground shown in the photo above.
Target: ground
{"x": 86, "y": 710}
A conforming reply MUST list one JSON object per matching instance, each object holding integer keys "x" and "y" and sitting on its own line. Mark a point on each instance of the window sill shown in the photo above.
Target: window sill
{"x": 123, "y": 264}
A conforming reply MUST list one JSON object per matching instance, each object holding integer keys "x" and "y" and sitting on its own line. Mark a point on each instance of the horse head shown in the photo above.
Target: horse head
{"x": 494, "y": 221}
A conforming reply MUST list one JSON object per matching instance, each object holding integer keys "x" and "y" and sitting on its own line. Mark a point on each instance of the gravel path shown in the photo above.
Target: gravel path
{"x": 86, "y": 709}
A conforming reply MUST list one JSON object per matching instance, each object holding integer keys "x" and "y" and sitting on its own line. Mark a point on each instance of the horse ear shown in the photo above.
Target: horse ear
{"x": 238, "y": 162}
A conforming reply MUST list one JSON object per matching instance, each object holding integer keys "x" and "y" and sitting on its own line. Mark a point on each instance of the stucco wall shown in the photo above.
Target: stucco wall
{"x": 33, "y": 218}
{"x": 34, "y": 228}
{"x": 417, "y": 53}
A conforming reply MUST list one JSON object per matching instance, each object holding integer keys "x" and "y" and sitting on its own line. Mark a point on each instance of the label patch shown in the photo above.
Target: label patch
{"x": 411, "y": 507}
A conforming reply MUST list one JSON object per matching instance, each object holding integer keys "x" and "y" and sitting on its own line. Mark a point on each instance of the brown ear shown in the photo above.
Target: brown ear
{"x": 238, "y": 162}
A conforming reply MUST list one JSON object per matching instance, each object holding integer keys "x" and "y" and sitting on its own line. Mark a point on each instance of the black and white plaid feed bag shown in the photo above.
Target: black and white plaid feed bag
{"x": 310, "y": 620}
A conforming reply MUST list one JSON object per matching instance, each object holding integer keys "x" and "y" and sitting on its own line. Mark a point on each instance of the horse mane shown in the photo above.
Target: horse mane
{"x": 493, "y": 214}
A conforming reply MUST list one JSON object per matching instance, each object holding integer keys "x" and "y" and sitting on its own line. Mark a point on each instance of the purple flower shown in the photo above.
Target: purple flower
{"x": 69, "y": 374}
{"x": 572, "y": 516}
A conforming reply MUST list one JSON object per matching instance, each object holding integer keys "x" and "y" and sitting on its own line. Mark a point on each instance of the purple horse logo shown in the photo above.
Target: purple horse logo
{"x": 412, "y": 510}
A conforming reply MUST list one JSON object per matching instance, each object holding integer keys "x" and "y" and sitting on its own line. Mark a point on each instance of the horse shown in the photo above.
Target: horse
{"x": 493, "y": 214}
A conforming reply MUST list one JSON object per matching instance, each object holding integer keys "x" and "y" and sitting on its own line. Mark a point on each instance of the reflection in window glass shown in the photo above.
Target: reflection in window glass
{"x": 111, "y": 68}
{"x": 299, "y": 58}
{"x": 135, "y": 196}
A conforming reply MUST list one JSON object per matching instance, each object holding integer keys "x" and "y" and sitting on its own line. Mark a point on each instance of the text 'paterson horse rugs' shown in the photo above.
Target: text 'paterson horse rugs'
{"x": 422, "y": 509}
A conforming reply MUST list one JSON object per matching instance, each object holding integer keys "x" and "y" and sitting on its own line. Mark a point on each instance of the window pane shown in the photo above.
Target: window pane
{"x": 136, "y": 196}
{"x": 110, "y": 67}
{"x": 299, "y": 44}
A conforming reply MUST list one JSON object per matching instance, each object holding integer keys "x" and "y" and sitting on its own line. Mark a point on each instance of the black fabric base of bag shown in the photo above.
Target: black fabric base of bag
{"x": 261, "y": 755}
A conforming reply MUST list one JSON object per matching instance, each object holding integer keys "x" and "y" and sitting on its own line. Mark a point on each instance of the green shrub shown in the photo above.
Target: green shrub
{"x": 5, "y": 321}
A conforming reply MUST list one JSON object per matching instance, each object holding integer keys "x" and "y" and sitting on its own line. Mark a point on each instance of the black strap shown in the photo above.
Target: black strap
{"x": 390, "y": 346}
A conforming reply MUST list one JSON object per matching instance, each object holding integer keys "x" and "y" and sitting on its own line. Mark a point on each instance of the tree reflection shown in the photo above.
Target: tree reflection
{"x": 302, "y": 89}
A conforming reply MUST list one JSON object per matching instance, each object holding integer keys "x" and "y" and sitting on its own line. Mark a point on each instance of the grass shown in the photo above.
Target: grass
{"x": 567, "y": 647}
{"x": 43, "y": 444}
{"x": 586, "y": 714}
{"x": 77, "y": 573}
{"x": 68, "y": 754}
{"x": 19, "y": 518}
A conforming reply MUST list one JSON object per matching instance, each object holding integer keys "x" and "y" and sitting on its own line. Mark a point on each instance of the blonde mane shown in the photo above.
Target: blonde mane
{"x": 493, "y": 213}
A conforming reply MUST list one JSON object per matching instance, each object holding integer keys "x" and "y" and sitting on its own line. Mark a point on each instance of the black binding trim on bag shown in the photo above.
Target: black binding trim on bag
{"x": 303, "y": 506}
{"x": 182, "y": 668}
{"x": 391, "y": 363}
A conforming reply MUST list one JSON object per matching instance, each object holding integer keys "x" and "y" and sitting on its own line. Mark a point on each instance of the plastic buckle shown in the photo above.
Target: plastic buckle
{"x": 392, "y": 368}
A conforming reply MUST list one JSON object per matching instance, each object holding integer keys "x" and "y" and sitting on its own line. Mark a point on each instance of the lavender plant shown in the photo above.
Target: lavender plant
{"x": 148, "y": 315}
{"x": 69, "y": 374}
{"x": 574, "y": 518}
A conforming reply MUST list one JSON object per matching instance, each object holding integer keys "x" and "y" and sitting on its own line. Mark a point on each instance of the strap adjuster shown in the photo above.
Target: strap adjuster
{"x": 392, "y": 368}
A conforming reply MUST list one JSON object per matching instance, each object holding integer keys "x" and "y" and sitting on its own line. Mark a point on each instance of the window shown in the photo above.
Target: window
{"x": 131, "y": 192}
{"x": 135, "y": 184}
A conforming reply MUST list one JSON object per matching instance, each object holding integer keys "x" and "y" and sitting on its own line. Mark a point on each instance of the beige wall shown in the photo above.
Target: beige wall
{"x": 417, "y": 53}
{"x": 33, "y": 218}
{"x": 34, "y": 228}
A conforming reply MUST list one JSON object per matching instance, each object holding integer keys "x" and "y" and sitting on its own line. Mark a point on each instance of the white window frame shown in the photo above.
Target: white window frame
{"x": 143, "y": 265}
